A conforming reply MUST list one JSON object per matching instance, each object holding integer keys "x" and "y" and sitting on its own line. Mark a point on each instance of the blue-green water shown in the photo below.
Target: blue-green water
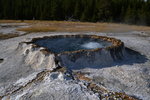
{"x": 58, "y": 45}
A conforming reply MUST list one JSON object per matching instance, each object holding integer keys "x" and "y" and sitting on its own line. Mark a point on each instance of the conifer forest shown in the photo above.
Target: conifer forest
{"x": 118, "y": 11}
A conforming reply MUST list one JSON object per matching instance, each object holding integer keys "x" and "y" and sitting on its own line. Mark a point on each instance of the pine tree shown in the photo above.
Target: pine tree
{"x": 104, "y": 10}
{"x": 125, "y": 11}
{"x": 77, "y": 10}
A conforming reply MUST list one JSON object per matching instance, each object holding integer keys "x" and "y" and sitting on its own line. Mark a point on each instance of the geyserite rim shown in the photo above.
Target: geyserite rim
{"x": 116, "y": 44}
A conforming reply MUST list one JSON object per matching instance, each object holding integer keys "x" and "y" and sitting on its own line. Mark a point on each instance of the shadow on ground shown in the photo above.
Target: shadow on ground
{"x": 131, "y": 57}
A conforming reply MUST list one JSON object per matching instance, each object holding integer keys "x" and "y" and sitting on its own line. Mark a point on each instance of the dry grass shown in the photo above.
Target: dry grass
{"x": 67, "y": 26}
{"x": 7, "y": 36}
{"x": 10, "y": 21}
{"x": 38, "y": 29}
{"x": 18, "y": 21}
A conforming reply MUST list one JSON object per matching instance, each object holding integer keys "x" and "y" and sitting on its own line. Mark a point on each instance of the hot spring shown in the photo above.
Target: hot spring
{"x": 72, "y": 51}
{"x": 59, "y": 45}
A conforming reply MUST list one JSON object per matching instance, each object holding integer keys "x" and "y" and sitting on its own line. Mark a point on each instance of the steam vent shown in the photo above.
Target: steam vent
{"x": 71, "y": 51}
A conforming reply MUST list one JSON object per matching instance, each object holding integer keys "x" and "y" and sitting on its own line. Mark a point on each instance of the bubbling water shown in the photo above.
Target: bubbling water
{"x": 92, "y": 45}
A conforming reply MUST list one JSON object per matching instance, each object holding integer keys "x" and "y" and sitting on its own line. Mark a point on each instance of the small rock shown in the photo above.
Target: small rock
{"x": 1, "y": 60}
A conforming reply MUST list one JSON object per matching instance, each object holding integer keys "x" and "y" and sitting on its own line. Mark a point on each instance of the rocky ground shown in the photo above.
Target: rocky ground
{"x": 129, "y": 79}
{"x": 10, "y": 28}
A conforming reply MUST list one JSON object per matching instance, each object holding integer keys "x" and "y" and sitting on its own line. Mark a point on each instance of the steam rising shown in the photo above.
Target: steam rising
{"x": 92, "y": 45}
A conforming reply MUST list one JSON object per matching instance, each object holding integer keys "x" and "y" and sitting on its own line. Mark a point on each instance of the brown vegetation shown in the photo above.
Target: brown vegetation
{"x": 65, "y": 26}
{"x": 68, "y": 26}
{"x": 7, "y": 36}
